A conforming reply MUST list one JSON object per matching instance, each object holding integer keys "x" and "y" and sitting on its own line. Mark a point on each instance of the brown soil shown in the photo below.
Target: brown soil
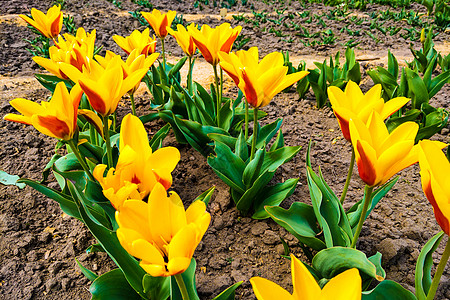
{"x": 39, "y": 243}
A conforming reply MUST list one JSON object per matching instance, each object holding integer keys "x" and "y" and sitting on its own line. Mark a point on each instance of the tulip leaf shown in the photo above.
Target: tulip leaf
{"x": 149, "y": 117}
{"x": 332, "y": 261}
{"x": 7, "y": 179}
{"x": 66, "y": 202}
{"x": 50, "y": 81}
{"x": 416, "y": 89}
{"x": 224, "y": 138}
{"x": 206, "y": 195}
{"x": 86, "y": 272}
{"x": 229, "y": 293}
{"x": 354, "y": 213}
{"x": 225, "y": 115}
{"x": 112, "y": 286}
{"x": 274, "y": 159}
{"x": 169, "y": 117}
{"x": 188, "y": 277}
{"x": 273, "y": 196}
{"x": 266, "y": 133}
{"x": 366, "y": 279}
{"x": 279, "y": 142}
{"x": 227, "y": 166}
{"x": 393, "y": 122}
{"x": 94, "y": 193}
{"x": 48, "y": 167}
{"x": 241, "y": 147}
{"x": 300, "y": 221}
{"x": 438, "y": 82}
{"x": 157, "y": 139}
{"x": 91, "y": 151}
{"x": 246, "y": 202}
{"x": 156, "y": 287}
{"x": 424, "y": 265}
{"x": 108, "y": 240}
{"x": 95, "y": 248}
{"x": 206, "y": 98}
{"x": 177, "y": 67}
{"x": 388, "y": 290}
{"x": 253, "y": 168}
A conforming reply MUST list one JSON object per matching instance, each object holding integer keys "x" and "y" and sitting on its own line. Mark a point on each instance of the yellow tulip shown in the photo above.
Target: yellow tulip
{"x": 56, "y": 118}
{"x": 161, "y": 233}
{"x": 160, "y": 21}
{"x": 137, "y": 40}
{"x": 49, "y": 24}
{"x": 352, "y": 103}
{"x": 345, "y": 286}
{"x": 76, "y": 51}
{"x": 259, "y": 81}
{"x": 135, "y": 62}
{"x": 210, "y": 41}
{"x": 435, "y": 175}
{"x": 184, "y": 39}
{"x": 138, "y": 168}
{"x": 104, "y": 86}
{"x": 380, "y": 154}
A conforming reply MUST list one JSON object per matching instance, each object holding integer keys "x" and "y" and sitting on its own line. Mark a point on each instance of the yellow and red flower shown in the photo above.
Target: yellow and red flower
{"x": 137, "y": 40}
{"x": 49, "y": 24}
{"x": 160, "y": 21}
{"x": 184, "y": 38}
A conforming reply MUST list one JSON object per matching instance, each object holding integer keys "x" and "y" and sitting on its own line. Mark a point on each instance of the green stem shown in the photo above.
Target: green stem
{"x": 366, "y": 201}
{"x": 221, "y": 84}
{"x": 255, "y": 132}
{"x": 107, "y": 141}
{"x": 216, "y": 77}
{"x": 114, "y": 124}
{"x": 163, "y": 53}
{"x": 349, "y": 176}
{"x": 182, "y": 287}
{"x": 80, "y": 158}
{"x": 189, "y": 76}
{"x": 246, "y": 120}
{"x": 439, "y": 271}
{"x": 133, "y": 107}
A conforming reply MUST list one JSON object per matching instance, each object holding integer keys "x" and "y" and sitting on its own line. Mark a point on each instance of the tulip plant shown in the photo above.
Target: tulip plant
{"x": 116, "y": 181}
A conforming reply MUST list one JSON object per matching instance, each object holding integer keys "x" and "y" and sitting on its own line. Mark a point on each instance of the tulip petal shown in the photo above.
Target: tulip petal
{"x": 267, "y": 290}
{"x": 345, "y": 286}
{"x": 133, "y": 133}
{"x": 305, "y": 286}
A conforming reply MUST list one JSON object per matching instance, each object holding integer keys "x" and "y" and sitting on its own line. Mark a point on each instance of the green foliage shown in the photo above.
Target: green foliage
{"x": 144, "y": 3}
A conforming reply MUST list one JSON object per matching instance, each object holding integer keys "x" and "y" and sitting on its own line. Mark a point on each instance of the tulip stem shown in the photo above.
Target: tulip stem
{"x": 255, "y": 132}
{"x": 439, "y": 271}
{"x": 182, "y": 286}
{"x": 189, "y": 76}
{"x": 221, "y": 84}
{"x": 367, "y": 196}
{"x": 164, "y": 59}
{"x": 349, "y": 176}
{"x": 107, "y": 141}
{"x": 80, "y": 159}
{"x": 218, "y": 99}
{"x": 133, "y": 107}
{"x": 246, "y": 120}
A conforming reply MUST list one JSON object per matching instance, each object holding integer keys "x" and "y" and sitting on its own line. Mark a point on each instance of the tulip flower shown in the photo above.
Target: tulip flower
{"x": 184, "y": 38}
{"x": 138, "y": 168}
{"x": 160, "y": 21}
{"x": 435, "y": 175}
{"x": 345, "y": 286}
{"x": 76, "y": 51}
{"x": 260, "y": 81}
{"x": 212, "y": 40}
{"x": 49, "y": 24}
{"x": 56, "y": 118}
{"x": 352, "y": 104}
{"x": 134, "y": 62}
{"x": 137, "y": 40}
{"x": 161, "y": 233}
{"x": 380, "y": 154}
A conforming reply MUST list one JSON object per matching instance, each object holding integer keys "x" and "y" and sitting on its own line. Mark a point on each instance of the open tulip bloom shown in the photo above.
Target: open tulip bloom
{"x": 380, "y": 154}
{"x": 345, "y": 286}
{"x": 261, "y": 80}
{"x": 435, "y": 175}
{"x": 49, "y": 24}
{"x": 161, "y": 233}
{"x": 137, "y": 40}
{"x": 138, "y": 168}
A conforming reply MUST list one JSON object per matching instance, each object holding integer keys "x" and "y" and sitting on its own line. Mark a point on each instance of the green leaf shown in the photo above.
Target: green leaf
{"x": 266, "y": 133}
{"x": 156, "y": 287}
{"x": 229, "y": 293}
{"x": 50, "y": 81}
{"x": 112, "y": 286}
{"x": 95, "y": 248}
{"x": 416, "y": 89}
{"x": 149, "y": 117}
{"x": 279, "y": 142}
{"x": 300, "y": 221}
{"x": 438, "y": 82}
{"x": 206, "y": 195}
{"x": 228, "y": 166}
{"x": 273, "y": 196}
{"x": 223, "y": 138}
{"x": 177, "y": 67}
{"x": 241, "y": 147}
{"x": 423, "y": 266}
{"x": 108, "y": 240}
{"x": 86, "y": 272}
{"x": 188, "y": 277}
{"x": 388, "y": 290}
{"x": 253, "y": 168}
{"x": 7, "y": 179}
{"x": 332, "y": 261}
{"x": 274, "y": 159}
{"x": 246, "y": 202}
{"x": 226, "y": 115}
{"x": 157, "y": 139}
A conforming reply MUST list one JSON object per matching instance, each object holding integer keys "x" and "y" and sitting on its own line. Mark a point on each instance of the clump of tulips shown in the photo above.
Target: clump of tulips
{"x": 115, "y": 180}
